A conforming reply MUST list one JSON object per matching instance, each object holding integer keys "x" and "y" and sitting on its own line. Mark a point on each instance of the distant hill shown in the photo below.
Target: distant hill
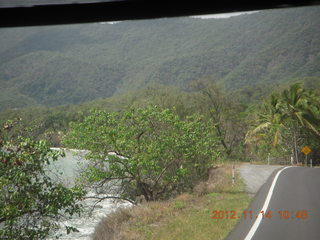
{"x": 56, "y": 65}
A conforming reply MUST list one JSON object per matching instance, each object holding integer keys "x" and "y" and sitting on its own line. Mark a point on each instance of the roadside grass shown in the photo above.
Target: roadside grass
{"x": 188, "y": 216}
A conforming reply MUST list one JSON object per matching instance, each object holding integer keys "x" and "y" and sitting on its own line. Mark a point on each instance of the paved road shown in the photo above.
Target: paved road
{"x": 295, "y": 190}
{"x": 255, "y": 176}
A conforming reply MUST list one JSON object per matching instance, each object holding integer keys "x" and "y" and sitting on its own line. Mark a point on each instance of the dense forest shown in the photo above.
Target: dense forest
{"x": 50, "y": 66}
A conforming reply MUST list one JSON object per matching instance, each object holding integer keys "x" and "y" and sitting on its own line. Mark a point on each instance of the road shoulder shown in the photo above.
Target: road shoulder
{"x": 242, "y": 228}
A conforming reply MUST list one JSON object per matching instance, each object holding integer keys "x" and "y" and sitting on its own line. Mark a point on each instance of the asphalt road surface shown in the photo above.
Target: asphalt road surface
{"x": 290, "y": 200}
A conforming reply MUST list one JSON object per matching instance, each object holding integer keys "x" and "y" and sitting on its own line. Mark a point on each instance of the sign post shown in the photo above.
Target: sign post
{"x": 306, "y": 150}
{"x": 233, "y": 175}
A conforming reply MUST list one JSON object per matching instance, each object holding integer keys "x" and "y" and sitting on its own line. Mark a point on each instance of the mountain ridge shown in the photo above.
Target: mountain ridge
{"x": 57, "y": 65}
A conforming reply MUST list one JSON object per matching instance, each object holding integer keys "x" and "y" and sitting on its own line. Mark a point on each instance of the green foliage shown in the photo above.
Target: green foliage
{"x": 40, "y": 123}
{"x": 157, "y": 154}
{"x": 224, "y": 112}
{"x": 56, "y": 65}
{"x": 31, "y": 202}
{"x": 288, "y": 122}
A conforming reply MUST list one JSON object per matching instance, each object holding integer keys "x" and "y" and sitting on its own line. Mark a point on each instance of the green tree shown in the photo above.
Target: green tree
{"x": 270, "y": 121}
{"x": 223, "y": 112}
{"x": 302, "y": 106}
{"x": 157, "y": 154}
{"x": 31, "y": 202}
{"x": 290, "y": 119}
{"x": 269, "y": 129}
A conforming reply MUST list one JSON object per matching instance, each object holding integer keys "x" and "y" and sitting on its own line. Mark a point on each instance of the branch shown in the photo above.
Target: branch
{"x": 108, "y": 179}
{"x": 165, "y": 188}
{"x": 100, "y": 199}
{"x": 125, "y": 166}
{"x": 118, "y": 153}
{"x": 162, "y": 172}
{"x": 140, "y": 135}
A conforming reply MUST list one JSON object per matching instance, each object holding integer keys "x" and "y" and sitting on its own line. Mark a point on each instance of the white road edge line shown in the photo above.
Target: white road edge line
{"x": 264, "y": 208}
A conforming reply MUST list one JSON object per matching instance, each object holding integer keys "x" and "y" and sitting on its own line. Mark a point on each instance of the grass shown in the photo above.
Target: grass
{"x": 187, "y": 216}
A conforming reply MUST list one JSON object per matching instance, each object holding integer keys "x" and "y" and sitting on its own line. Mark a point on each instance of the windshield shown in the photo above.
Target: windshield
{"x": 194, "y": 127}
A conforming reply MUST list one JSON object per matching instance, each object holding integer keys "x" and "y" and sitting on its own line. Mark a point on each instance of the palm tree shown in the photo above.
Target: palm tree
{"x": 300, "y": 106}
{"x": 288, "y": 114}
{"x": 270, "y": 121}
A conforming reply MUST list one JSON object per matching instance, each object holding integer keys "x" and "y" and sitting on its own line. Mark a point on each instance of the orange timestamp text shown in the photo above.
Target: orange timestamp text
{"x": 248, "y": 214}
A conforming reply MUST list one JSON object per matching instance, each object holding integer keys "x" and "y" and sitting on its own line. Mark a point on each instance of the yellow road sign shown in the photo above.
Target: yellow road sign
{"x": 306, "y": 150}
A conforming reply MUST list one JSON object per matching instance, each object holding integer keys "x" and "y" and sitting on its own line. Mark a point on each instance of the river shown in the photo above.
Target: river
{"x": 69, "y": 168}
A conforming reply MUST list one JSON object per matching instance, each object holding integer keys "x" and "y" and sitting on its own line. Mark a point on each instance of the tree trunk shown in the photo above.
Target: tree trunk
{"x": 143, "y": 189}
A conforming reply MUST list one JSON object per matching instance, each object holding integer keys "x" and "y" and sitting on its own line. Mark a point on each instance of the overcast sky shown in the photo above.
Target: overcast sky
{"x": 216, "y": 16}
{"x": 223, "y": 15}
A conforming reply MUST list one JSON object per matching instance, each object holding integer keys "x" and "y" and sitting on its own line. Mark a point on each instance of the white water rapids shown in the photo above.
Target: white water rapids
{"x": 70, "y": 166}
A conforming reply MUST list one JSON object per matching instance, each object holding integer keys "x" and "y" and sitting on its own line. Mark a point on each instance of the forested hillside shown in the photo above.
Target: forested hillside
{"x": 56, "y": 65}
